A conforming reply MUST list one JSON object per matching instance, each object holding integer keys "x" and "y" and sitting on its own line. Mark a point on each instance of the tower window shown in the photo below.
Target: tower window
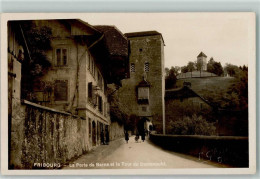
{"x": 146, "y": 66}
{"x": 140, "y": 49}
{"x": 132, "y": 67}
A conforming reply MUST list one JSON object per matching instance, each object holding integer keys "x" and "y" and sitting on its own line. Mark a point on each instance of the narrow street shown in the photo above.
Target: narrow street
{"x": 135, "y": 155}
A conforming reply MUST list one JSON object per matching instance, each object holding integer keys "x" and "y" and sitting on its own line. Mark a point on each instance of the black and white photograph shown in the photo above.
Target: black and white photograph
{"x": 101, "y": 92}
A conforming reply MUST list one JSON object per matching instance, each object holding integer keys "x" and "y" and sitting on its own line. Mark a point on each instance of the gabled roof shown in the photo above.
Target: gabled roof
{"x": 182, "y": 93}
{"x": 143, "y": 34}
{"x": 79, "y": 27}
{"x": 202, "y": 55}
{"x": 114, "y": 40}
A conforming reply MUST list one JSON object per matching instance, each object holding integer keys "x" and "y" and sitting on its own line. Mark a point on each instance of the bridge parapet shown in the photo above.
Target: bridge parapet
{"x": 231, "y": 150}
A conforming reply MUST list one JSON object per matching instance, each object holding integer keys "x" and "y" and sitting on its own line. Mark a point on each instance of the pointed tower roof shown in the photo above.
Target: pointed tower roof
{"x": 202, "y": 55}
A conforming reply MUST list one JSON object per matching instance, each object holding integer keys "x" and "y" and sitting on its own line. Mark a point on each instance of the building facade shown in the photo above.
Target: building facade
{"x": 143, "y": 92}
{"x": 77, "y": 79}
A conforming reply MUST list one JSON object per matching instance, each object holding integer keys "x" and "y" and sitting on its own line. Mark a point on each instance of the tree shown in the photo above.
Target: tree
{"x": 231, "y": 70}
{"x": 199, "y": 66}
{"x": 171, "y": 78}
{"x": 38, "y": 40}
{"x": 237, "y": 98}
{"x": 194, "y": 125}
{"x": 210, "y": 64}
{"x": 218, "y": 69}
{"x": 191, "y": 67}
{"x": 215, "y": 67}
{"x": 184, "y": 69}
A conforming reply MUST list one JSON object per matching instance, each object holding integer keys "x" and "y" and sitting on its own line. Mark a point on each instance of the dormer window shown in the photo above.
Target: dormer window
{"x": 143, "y": 92}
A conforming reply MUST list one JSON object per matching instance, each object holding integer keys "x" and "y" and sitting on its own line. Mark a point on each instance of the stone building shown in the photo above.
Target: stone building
{"x": 202, "y": 60}
{"x": 143, "y": 92}
{"x": 82, "y": 64}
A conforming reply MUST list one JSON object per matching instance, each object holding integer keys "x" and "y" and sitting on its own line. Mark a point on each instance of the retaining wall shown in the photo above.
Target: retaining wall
{"x": 42, "y": 136}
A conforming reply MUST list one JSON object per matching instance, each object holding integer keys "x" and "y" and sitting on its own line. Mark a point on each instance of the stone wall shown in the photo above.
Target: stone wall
{"x": 116, "y": 131}
{"x": 41, "y": 136}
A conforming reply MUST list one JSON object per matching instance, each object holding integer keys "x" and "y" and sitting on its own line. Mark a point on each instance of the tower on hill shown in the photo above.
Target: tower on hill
{"x": 202, "y": 60}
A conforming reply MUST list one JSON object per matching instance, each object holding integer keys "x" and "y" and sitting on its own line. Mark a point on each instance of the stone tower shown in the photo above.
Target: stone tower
{"x": 143, "y": 92}
{"x": 202, "y": 59}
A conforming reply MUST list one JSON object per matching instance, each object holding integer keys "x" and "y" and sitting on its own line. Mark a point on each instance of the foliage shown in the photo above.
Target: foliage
{"x": 171, "y": 77}
{"x": 231, "y": 70}
{"x": 184, "y": 69}
{"x": 118, "y": 112}
{"x": 237, "y": 97}
{"x": 191, "y": 66}
{"x": 215, "y": 67}
{"x": 38, "y": 40}
{"x": 199, "y": 65}
{"x": 195, "y": 125}
{"x": 117, "y": 115}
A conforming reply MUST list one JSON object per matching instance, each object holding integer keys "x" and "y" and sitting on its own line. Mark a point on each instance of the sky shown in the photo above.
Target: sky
{"x": 223, "y": 36}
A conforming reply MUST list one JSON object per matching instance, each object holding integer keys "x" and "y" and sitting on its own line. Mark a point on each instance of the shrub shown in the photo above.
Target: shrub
{"x": 195, "y": 125}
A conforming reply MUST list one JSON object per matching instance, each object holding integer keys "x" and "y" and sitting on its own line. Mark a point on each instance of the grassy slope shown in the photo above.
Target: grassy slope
{"x": 214, "y": 89}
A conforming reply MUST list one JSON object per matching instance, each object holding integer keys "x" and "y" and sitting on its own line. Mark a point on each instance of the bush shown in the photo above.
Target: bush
{"x": 195, "y": 125}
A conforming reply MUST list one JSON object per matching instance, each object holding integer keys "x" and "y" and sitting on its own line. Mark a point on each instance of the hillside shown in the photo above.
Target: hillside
{"x": 213, "y": 89}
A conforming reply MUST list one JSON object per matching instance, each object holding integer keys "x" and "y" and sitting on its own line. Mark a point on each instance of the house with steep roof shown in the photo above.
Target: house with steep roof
{"x": 84, "y": 60}
{"x": 182, "y": 102}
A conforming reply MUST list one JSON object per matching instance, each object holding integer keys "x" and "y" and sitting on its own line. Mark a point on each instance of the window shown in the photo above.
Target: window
{"x": 132, "y": 67}
{"x": 144, "y": 109}
{"x": 105, "y": 108}
{"x": 61, "y": 90}
{"x": 89, "y": 126}
{"x": 100, "y": 103}
{"x": 61, "y": 55}
{"x": 89, "y": 62}
{"x": 143, "y": 93}
{"x": 90, "y": 91}
{"x": 146, "y": 66}
{"x": 100, "y": 81}
{"x": 140, "y": 49}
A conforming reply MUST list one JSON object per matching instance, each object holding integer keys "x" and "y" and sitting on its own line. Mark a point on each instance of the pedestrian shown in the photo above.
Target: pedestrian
{"x": 126, "y": 136}
{"x": 143, "y": 136}
{"x": 107, "y": 136}
{"x": 102, "y": 138}
{"x": 137, "y": 137}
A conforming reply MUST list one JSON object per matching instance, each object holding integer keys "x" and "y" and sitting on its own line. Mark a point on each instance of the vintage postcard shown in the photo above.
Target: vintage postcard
{"x": 128, "y": 93}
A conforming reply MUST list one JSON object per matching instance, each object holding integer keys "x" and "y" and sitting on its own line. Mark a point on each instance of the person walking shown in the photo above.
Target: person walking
{"x": 126, "y": 136}
{"x": 107, "y": 136}
{"x": 102, "y": 137}
{"x": 143, "y": 136}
